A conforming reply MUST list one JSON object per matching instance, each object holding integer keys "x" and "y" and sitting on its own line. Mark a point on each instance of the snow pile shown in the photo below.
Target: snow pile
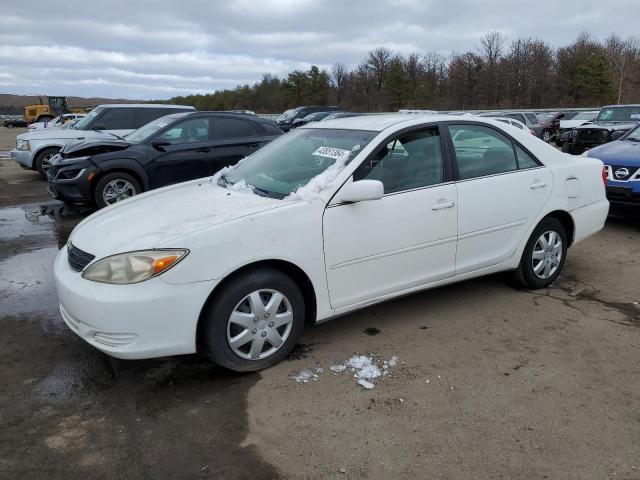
{"x": 241, "y": 187}
{"x": 305, "y": 375}
{"x": 311, "y": 191}
{"x": 364, "y": 369}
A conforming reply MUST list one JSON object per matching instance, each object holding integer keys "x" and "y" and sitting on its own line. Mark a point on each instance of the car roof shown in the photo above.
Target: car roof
{"x": 380, "y": 122}
{"x": 620, "y": 106}
{"x": 144, "y": 105}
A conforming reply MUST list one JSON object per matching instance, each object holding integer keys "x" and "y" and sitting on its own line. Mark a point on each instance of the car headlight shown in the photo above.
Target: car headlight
{"x": 133, "y": 267}
{"x": 23, "y": 145}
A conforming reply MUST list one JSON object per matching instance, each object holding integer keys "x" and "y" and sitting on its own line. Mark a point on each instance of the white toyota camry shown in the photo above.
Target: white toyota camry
{"x": 327, "y": 219}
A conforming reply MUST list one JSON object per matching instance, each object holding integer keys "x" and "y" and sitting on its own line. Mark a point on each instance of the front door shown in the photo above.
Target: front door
{"x": 404, "y": 240}
{"x": 183, "y": 153}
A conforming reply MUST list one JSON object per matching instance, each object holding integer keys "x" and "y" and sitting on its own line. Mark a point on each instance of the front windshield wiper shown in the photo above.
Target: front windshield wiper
{"x": 266, "y": 193}
{"x": 117, "y": 136}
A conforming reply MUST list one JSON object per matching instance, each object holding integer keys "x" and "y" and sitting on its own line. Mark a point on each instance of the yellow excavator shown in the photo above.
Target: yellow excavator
{"x": 54, "y": 106}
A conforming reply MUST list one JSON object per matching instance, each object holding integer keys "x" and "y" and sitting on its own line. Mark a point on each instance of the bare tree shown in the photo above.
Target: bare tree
{"x": 378, "y": 63}
{"x": 339, "y": 74}
{"x": 621, "y": 55}
{"x": 491, "y": 47}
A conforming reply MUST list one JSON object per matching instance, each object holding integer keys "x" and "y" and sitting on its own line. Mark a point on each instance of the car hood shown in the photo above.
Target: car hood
{"x": 618, "y": 152}
{"x": 163, "y": 217}
{"x": 611, "y": 126}
{"x": 92, "y": 147}
{"x": 573, "y": 123}
{"x": 61, "y": 133}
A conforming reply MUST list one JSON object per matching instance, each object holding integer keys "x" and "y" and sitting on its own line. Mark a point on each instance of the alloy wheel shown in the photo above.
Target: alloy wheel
{"x": 46, "y": 162}
{"x": 259, "y": 324}
{"x": 547, "y": 254}
{"x": 117, "y": 190}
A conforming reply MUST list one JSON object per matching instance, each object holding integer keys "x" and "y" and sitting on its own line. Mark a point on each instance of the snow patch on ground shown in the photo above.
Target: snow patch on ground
{"x": 363, "y": 368}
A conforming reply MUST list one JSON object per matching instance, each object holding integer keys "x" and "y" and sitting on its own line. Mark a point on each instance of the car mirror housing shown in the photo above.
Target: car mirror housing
{"x": 160, "y": 144}
{"x": 362, "y": 191}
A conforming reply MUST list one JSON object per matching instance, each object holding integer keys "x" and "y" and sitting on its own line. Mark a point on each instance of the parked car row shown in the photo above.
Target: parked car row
{"x": 57, "y": 122}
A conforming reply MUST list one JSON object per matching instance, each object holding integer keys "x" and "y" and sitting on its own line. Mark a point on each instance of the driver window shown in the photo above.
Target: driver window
{"x": 410, "y": 161}
{"x": 190, "y": 131}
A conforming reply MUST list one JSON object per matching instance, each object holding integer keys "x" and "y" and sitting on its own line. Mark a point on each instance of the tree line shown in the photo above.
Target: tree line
{"x": 525, "y": 73}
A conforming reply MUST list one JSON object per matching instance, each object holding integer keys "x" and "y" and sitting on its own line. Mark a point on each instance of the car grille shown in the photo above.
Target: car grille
{"x": 622, "y": 172}
{"x": 78, "y": 259}
{"x": 591, "y": 135}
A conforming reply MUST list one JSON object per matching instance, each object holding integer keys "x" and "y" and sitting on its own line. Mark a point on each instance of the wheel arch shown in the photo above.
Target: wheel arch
{"x": 567, "y": 222}
{"x": 36, "y": 153}
{"x": 119, "y": 169}
{"x": 295, "y": 272}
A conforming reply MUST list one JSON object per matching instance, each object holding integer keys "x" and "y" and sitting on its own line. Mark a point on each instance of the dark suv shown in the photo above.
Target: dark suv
{"x": 611, "y": 123}
{"x": 285, "y": 120}
{"x": 171, "y": 149}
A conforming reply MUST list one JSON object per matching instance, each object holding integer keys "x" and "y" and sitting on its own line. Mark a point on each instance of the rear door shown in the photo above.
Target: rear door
{"x": 233, "y": 139}
{"x": 187, "y": 154}
{"x": 501, "y": 189}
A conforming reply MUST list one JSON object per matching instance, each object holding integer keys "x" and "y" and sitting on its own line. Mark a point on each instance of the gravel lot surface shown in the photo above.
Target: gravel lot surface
{"x": 491, "y": 382}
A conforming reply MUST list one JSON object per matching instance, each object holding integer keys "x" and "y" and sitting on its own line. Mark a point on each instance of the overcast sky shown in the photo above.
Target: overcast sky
{"x": 146, "y": 49}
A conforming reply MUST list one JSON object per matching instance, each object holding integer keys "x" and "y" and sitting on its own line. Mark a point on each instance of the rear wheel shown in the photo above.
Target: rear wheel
{"x": 546, "y": 135}
{"x": 43, "y": 161}
{"x": 115, "y": 187}
{"x": 254, "y": 321}
{"x": 544, "y": 255}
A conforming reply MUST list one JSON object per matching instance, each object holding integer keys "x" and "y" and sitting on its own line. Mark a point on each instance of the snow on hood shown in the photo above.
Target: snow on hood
{"x": 161, "y": 217}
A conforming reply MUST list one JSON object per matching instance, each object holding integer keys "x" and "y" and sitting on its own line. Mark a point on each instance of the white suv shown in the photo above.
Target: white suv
{"x": 35, "y": 149}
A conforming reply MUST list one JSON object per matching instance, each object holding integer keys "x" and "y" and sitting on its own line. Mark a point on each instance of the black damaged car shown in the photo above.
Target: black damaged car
{"x": 171, "y": 149}
{"x": 611, "y": 124}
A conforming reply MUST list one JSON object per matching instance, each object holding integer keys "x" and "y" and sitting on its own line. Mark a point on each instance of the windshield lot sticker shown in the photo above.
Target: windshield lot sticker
{"x": 330, "y": 152}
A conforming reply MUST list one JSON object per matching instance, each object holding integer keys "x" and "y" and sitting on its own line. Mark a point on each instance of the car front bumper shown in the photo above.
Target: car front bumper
{"x": 23, "y": 158}
{"x": 143, "y": 320}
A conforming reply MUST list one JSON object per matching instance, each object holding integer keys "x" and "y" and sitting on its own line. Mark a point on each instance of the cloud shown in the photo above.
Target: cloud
{"x": 153, "y": 49}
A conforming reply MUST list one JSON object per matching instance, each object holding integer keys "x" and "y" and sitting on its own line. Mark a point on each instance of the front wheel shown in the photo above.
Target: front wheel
{"x": 115, "y": 187}
{"x": 544, "y": 255}
{"x": 43, "y": 161}
{"x": 254, "y": 321}
{"x": 546, "y": 135}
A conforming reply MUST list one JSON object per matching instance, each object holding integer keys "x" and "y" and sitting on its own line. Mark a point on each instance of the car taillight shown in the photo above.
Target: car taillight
{"x": 604, "y": 175}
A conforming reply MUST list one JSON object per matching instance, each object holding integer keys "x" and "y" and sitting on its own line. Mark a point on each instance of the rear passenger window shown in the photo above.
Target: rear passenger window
{"x": 117, "y": 119}
{"x": 482, "y": 151}
{"x": 226, "y": 128}
{"x": 411, "y": 161}
{"x": 146, "y": 115}
{"x": 532, "y": 118}
{"x": 270, "y": 129}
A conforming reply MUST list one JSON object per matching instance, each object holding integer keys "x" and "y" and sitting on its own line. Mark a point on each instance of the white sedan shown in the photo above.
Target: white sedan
{"x": 58, "y": 122}
{"x": 327, "y": 219}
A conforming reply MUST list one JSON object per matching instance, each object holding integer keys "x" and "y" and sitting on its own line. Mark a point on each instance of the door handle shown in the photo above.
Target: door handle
{"x": 537, "y": 184}
{"x": 253, "y": 145}
{"x": 203, "y": 150}
{"x": 441, "y": 204}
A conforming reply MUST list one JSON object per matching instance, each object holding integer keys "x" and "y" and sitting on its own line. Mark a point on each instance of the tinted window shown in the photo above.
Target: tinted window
{"x": 233, "y": 128}
{"x": 519, "y": 125}
{"x": 116, "y": 119}
{"x": 518, "y": 116}
{"x": 524, "y": 159}
{"x": 189, "y": 131}
{"x": 482, "y": 151}
{"x": 146, "y": 115}
{"x": 532, "y": 118}
{"x": 270, "y": 129}
{"x": 411, "y": 161}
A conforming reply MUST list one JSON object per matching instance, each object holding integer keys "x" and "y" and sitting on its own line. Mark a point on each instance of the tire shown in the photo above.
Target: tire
{"x": 11, "y": 126}
{"x": 571, "y": 148}
{"x": 217, "y": 328}
{"x": 559, "y": 142}
{"x": 546, "y": 135}
{"x": 119, "y": 185}
{"x": 552, "y": 259}
{"x": 42, "y": 161}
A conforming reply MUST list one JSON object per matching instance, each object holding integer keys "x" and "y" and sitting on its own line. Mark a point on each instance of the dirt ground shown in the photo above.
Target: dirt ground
{"x": 492, "y": 382}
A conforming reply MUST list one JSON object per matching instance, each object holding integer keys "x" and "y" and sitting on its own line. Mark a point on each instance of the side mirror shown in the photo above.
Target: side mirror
{"x": 617, "y": 134}
{"x": 160, "y": 144}
{"x": 99, "y": 126}
{"x": 362, "y": 191}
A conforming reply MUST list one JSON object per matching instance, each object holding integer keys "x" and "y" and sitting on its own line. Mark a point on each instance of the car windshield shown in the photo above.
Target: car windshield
{"x": 84, "y": 122}
{"x": 618, "y": 114}
{"x": 633, "y": 135}
{"x": 148, "y": 130}
{"x": 70, "y": 124}
{"x": 287, "y": 114}
{"x": 547, "y": 117}
{"x": 291, "y": 161}
{"x": 585, "y": 116}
